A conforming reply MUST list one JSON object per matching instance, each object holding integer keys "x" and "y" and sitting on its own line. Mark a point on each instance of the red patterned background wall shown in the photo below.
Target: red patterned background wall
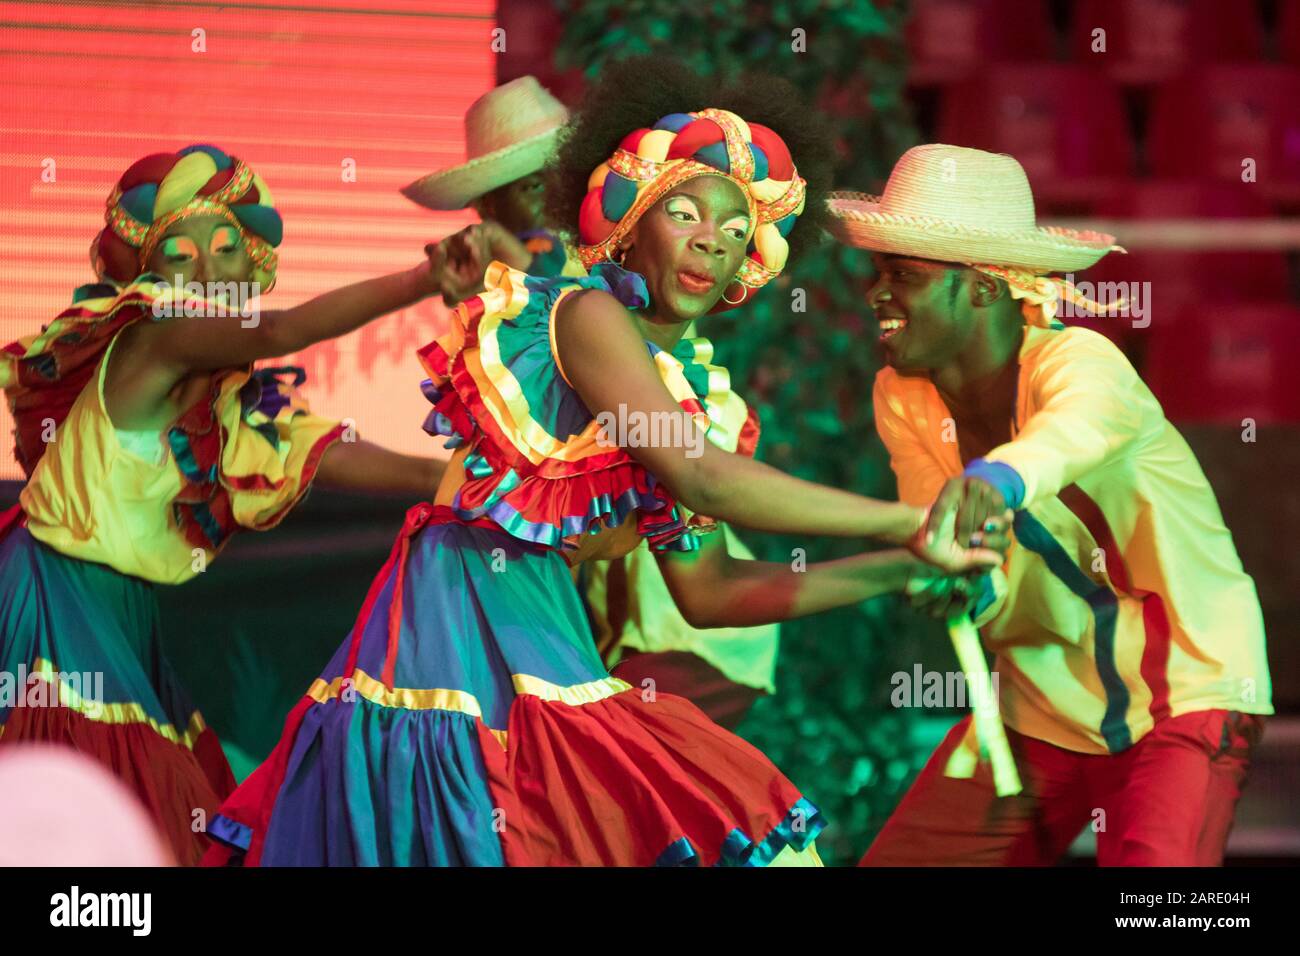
{"x": 335, "y": 103}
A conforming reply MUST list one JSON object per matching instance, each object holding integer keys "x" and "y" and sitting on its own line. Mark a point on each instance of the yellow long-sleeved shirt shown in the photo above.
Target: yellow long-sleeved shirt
{"x": 1123, "y": 600}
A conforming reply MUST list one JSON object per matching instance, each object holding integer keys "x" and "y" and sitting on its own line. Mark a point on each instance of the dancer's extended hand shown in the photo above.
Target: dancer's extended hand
{"x": 937, "y": 541}
{"x": 982, "y": 516}
{"x": 942, "y": 595}
{"x": 460, "y": 260}
{"x": 433, "y": 268}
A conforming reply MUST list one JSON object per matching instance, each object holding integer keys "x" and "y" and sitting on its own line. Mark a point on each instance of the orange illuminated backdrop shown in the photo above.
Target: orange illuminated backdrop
{"x": 297, "y": 90}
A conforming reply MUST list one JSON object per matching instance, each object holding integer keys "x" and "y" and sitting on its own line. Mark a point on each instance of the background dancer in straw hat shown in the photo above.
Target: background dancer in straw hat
{"x": 511, "y": 131}
{"x": 1129, "y": 641}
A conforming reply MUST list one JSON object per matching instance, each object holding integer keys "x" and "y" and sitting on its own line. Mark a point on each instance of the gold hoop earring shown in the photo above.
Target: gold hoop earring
{"x": 621, "y": 255}
{"x": 744, "y": 293}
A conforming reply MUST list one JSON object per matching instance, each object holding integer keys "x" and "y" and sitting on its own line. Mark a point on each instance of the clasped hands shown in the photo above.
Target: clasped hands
{"x": 457, "y": 263}
{"x": 965, "y": 534}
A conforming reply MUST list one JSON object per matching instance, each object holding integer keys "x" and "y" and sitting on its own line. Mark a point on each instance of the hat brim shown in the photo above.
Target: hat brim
{"x": 858, "y": 220}
{"x": 458, "y": 186}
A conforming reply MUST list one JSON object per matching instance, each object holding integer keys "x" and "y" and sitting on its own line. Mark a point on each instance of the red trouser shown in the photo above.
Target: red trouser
{"x": 1166, "y": 801}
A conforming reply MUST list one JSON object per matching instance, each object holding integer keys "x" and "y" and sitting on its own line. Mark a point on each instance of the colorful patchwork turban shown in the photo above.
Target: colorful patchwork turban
{"x": 165, "y": 188}
{"x": 650, "y": 162}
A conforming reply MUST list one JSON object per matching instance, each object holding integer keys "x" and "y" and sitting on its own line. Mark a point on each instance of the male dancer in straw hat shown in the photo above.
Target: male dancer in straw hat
{"x": 1129, "y": 641}
{"x": 510, "y": 133}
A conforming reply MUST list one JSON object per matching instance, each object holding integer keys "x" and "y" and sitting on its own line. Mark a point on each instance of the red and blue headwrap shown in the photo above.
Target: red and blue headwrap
{"x": 165, "y": 188}
{"x": 650, "y": 162}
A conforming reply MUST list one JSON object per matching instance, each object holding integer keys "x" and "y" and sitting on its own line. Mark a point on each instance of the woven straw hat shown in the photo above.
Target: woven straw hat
{"x": 963, "y": 205}
{"x": 510, "y": 132}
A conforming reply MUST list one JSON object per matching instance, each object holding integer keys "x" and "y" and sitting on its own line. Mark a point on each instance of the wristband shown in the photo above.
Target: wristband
{"x": 1002, "y": 477}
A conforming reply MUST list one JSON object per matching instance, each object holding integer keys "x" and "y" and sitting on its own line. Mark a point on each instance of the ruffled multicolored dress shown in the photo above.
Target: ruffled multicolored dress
{"x": 107, "y": 515}
{"x": 639, "y": 632}
{"x": 467, "y": 719}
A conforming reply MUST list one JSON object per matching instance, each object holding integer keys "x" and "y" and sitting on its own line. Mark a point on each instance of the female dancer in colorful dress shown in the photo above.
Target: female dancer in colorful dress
{"x": 146, "y": 444}
{"x": 511, "y": 132}
{"x": 468, "y": 719}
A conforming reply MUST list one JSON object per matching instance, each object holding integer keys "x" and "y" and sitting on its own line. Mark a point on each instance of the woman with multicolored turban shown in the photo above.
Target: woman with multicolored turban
{"x": 468, "y": 718}
{"x": 148, "y": 439}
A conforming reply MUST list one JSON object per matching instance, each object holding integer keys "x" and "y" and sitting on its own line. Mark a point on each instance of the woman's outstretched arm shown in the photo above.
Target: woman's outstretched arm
{"x": 154, "y": 357}
{"x": 604, "y": 357}
{"x": 713, "y": 589}
{"x": 365, "y": 466}
{"x": 182, "y": 345}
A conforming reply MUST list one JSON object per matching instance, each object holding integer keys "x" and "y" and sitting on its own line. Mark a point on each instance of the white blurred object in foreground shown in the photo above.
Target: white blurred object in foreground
{"x": 60, "y": 808}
